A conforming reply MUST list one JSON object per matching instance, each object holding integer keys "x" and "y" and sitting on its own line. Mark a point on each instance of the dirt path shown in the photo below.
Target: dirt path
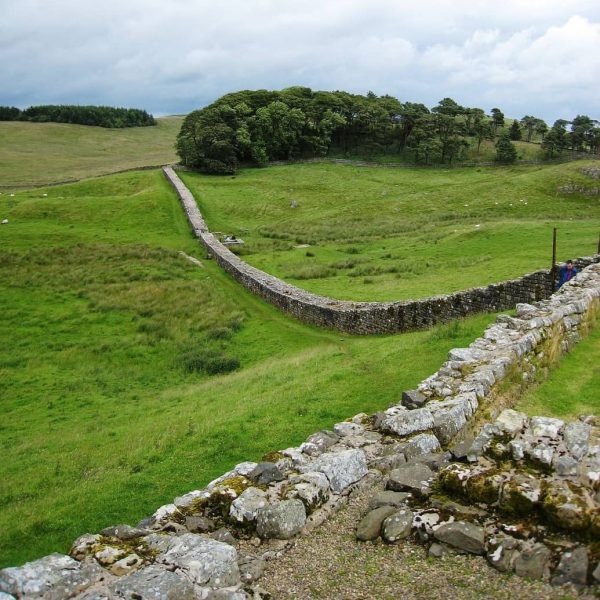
{"x": 330, "y": 563}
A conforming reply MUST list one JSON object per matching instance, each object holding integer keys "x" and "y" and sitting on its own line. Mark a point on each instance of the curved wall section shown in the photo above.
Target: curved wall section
{"x": 365, "y": 317}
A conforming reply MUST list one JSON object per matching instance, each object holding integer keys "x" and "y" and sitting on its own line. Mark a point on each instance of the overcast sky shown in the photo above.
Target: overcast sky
{"x": 539, "y": 57}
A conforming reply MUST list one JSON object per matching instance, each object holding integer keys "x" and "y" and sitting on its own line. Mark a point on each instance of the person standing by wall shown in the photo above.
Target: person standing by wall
{"x": 566, "y": 273}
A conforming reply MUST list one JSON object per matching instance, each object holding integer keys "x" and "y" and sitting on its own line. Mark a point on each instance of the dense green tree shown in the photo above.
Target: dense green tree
{"x": 556, "y": 139}
{"x": 448, "y": 107}
{"x": 424, "y": 141}
{"x": 514, "y": 131}
{"x": 482, "y": 129}
{"x": 505, "y": 150}
{"x": 497, "y": 119}
{"x": 259, "y": 126}
{"x": 410, "y": 113}
{"x": 582, "y": 128}
{"x": 541, "y": 128}
{"x": 9, "y": 113}
{"x": 472, "y": 117}
{"x": 100, "y": 116}
{"x": 529, "y": 123}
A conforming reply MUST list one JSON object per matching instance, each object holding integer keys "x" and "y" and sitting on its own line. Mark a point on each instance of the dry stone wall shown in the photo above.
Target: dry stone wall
{"x": 213, "y": 542}
{"x": 365, "y": 317}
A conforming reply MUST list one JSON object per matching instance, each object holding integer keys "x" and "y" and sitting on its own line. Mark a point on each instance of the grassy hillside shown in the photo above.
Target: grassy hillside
{"x": 43, "y": 153}
{"x": 107, "y": 408}
{"x": 367, "y": 233}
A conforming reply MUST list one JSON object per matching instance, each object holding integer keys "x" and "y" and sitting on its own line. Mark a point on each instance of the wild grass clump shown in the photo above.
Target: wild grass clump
{"x": 311, "y": 272}
{"x": 210, "y": 361}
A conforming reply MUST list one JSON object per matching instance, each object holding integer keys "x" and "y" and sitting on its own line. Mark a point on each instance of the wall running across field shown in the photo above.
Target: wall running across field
{"x": 366, "y": 317}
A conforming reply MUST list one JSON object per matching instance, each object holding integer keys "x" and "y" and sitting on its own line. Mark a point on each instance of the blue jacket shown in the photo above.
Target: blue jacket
{"x": 565, "y": 275}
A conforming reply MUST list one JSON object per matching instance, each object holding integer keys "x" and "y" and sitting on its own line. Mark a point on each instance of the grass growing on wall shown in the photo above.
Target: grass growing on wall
{"x": 41, "y": 153}
{"x": 109, "y": 338}
{"x": 363, "y": 233}
{"x": 573, "y": 387}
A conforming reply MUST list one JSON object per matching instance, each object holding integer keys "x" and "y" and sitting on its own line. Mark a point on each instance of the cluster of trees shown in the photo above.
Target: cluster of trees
{"x": 583, "y": 135}
{"x": 260, "y": 126}
{"x": 100, "y": 116}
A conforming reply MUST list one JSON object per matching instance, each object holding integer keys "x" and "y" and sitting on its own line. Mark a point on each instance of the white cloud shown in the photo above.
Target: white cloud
{"x": 539, "y": 56}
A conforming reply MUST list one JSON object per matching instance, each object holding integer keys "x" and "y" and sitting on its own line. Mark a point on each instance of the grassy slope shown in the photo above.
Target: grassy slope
{"x": 100, "y": 421}
{"x": 384, "y": 234}
{"x": 572, "y": 388}
{"x": 44, "y": 153}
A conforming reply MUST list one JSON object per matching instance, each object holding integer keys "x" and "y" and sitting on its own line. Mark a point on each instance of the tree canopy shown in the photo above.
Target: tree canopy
{"x": 259, "y": 126}
{"x": 100, "y": 116}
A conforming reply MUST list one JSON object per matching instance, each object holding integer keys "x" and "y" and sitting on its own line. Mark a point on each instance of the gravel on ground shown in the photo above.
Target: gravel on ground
{"x": 330, "y": 563}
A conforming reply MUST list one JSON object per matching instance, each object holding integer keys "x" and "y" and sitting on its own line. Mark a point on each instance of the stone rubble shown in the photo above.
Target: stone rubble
{"x": 540, "y": 468}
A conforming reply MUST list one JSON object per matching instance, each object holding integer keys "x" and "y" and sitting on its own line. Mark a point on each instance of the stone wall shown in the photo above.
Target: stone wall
{"x": 365, "y": 317}
{"x": 218, "y": 538}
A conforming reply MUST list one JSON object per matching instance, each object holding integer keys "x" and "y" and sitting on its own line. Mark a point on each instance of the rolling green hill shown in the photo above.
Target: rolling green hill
{"x": 107, "y": 408}
{"x": 365, "y": 233}
{"x": 45, "y": 153}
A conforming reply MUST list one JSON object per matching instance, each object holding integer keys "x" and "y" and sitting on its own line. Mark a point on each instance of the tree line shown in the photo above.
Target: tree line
{"x": 99, "y": 116}
{"x": 259, "y": 126}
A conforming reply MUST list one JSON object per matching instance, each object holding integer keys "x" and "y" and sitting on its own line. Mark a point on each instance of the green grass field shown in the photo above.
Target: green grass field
{"x": 129, "y": 375}
{"x": 364, "y": 233}
{"x": 572, "y": 389}
{"x": 44, "y": 153}
{"x": 108, "y": 337}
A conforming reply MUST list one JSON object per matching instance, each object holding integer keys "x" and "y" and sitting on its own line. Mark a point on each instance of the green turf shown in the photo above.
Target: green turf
{"x": 103, "y": 416}
{"x": 386, "y": 234}
{"x": 572, "y": 388}
{"x": 43, "y": 153}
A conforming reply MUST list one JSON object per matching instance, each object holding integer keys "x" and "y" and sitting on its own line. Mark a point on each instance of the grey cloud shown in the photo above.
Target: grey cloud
{"x": 539, "y": 56}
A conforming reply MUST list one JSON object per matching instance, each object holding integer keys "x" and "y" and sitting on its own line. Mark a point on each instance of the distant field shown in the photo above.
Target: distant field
{"x": 365, "y": 233}
{"x": 107, "y": 411}
{"x": 43, "y": 153}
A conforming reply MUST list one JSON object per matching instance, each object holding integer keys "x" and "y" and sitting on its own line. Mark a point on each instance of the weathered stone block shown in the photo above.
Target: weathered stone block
{"x": 534, "y": 562}
{"x": 153, "y": 583}
{"x": 369, "y": 527}
{"x": 572, "y": 568}
{"x": 245, "y": 507}
{"x": 282, "y": 520}
{"x": 520, "y": 493}
{"x": 203, "y": 560}
{"x": 413, "y": 399}
{"x": 511, "y": 421}
{"x": 414, "y": 478}
{"x": 397, "y": 526}
{"x": 462, "y": 535}
{"x": 53, "y": 577}
{"x": 408, "y": 421}
{"x": 423, "y": 443}
{"x": 546, "y": 427}
{"x": 342, "y": 468}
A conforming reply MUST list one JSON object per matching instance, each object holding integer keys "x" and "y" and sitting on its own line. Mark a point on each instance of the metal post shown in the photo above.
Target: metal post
{"x": 599, "y": 243}
{"x": 553, "y": 269}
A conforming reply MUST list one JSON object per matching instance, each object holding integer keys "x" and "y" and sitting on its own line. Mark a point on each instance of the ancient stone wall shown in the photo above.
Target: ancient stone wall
{"x": 219, "y": 537}
{"x": 365, "y": 317}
